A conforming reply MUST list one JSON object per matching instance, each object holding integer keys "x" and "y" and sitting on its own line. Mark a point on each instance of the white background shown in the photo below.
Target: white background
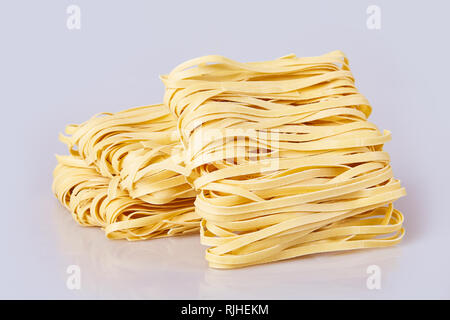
{"x": 51, "y": 76}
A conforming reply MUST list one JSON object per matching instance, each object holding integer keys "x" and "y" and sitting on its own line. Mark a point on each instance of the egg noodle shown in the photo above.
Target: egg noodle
{"x": 124, "y": 174}
{"x": 324, "y": 184}
{"x": 278, "y": 155}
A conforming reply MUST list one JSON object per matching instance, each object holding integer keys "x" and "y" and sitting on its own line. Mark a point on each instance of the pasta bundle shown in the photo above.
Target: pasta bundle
{"x": 279, "y": 157}
{"x": 124, "y": 174}
{"x": 284, "y": 159}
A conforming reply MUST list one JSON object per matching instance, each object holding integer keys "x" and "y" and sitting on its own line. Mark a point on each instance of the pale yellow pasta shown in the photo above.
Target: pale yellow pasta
{"x": 125, "y": 174}
{"x": 140, "y": 146}
{"x": 284, "y": 159}
{"x": 95, "y": 200}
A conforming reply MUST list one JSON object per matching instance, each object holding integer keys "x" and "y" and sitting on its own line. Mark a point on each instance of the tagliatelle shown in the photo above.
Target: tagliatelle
{"x": 138, "y": 145}
{"x": 125, "y": 174}
{"x": 278, "y": 155}
{"x": 284, "y": 158}
{"x": 95, "y": 200}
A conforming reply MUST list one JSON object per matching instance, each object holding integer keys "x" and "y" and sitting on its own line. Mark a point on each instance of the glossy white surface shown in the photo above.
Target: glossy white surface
{"x": 51, "y": 76}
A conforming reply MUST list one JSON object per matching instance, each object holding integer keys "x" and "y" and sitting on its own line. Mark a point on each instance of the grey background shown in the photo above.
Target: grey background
{"x": 51, "y": 76}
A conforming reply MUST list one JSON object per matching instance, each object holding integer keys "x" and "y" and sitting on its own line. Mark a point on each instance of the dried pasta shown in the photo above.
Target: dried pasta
{"x": 283, "y": 157}
{"x": 140, "y": 146}
{"x": 124, "y": 174}
{"x": 279, "y": 157}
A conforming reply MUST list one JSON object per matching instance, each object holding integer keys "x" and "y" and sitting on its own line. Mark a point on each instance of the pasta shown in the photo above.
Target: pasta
{"x": 138, "y": 145}
{"x": 124, "y": 174}
{"x": 283, "y": 157}
{"x": 279, "y": 157}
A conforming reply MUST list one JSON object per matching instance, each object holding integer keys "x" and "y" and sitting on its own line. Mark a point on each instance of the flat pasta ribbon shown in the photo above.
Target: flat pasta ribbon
{"x": 284, "y": 159}
{"x": 125, "y": 174}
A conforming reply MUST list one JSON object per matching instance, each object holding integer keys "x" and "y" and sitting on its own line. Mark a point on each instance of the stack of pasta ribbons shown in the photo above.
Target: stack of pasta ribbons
{"x": 283, "y": 157}
{"x": 279, "y": 157}
{"x": 125, "y": 174}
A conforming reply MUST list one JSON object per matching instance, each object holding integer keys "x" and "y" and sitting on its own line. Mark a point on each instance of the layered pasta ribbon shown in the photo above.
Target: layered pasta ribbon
{"x": 125, "y": 174}
{"x": 283, "y": 157}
